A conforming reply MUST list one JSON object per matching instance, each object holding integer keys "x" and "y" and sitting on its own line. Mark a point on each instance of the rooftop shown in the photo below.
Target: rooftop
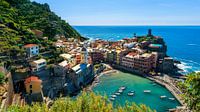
{"x": 66, "y": 56}
{"x": 78, "y": 68}
{"x": 30, "y": 45}
{"x": 32, "y": 78}
{"x": 39, "y": 61}
{"x": 63, "y": 63}
{"x": 155, "y": 45}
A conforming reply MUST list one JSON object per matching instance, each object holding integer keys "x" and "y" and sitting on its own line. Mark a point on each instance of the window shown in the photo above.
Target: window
{"x": 30, "y": 91}
{"x": 30, "y": 86}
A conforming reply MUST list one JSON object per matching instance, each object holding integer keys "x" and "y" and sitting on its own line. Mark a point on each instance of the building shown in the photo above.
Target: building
{"x": 110, "y": 56}
{"x": 97, "y": 56}
{"x": 78, "y": 58}
{"x": 82, "y": 74}
{"x": 140, "y": 62}
{"x": 66, "y": 56}
{"x": 62, "y": 68}
{"x": 33, "y": 87}
{"x": 32, "y": 50}
{"x": 84, "y": 55}
{"x": 38, "y": 65}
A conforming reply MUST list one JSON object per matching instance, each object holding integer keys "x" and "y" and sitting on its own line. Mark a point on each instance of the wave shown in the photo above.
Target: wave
{"x": 188, "y": 65}
{"x": 193, "y": 45}
{"x": 186, "y": 60}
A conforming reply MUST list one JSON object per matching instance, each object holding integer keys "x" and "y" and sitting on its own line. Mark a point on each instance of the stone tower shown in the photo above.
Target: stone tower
{"x": 84, "y": 54}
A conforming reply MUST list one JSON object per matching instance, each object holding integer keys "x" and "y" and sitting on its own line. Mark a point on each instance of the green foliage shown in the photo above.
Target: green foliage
{"x": 19, "y": 17}
{"x": 2, "y": 76}
{"x": 191, "y": 88}
{"x": 87, "y": 102}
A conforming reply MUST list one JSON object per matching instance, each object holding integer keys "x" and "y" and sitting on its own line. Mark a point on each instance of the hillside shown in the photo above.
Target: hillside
{"x": 85, "y": 102}
{"x": 19, "y": 17}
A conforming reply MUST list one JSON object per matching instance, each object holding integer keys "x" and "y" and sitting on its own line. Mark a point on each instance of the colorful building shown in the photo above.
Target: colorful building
{"x": 140, "y": 62}
{"x": 38, "y": 65}
{"x": 33, "y": 85}
{"x": 97, "y": 56}
{"x": 32, "y": 50}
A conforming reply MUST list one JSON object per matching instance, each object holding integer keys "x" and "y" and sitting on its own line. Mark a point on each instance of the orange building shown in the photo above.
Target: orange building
{"x": 33, "y": 85}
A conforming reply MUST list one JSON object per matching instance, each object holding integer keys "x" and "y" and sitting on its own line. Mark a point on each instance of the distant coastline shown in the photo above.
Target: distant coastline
{"x": 188, "y": 55}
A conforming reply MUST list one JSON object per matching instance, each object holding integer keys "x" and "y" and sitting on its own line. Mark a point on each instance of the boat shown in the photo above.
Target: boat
{"x": 171, "y": 98}
{"x": 130, "y": 94}
{"x": 122, "y": 88}
{"x": 154, "y": 84}
{"x": 147, "y": 91}
{"x": 163, "y": 96}
{"x": 117, "y": 93}
{"x": 113, "y": 96}
{"x": 120, "y": 91}
{"x": 112, "y": 99}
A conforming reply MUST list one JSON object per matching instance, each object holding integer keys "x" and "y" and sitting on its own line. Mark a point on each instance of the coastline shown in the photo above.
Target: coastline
{"x": 96, "y": 79}
{"x": 163, "y": 81}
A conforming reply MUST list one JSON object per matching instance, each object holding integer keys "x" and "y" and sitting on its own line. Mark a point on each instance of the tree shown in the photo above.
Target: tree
{"x": 2, "y": 78}
{"x": 192, "y": 92}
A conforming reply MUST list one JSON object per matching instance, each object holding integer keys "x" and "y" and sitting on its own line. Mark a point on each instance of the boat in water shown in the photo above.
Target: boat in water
{"x": 163, "y": 96}
{"x": 112, "y": 99}
{"x": 122, "y": 88}
{"x": 147, "y": 91}
{"x": 120, "y": 91}
{"x": 117, "y": 93}
{"x": 154, "y": 84}
{"x": 113, "y": 96}
{"x": 130, "y": 94}
{"x": 172, "y": 99}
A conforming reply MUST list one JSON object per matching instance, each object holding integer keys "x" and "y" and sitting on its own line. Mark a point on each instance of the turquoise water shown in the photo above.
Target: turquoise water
{"x": 110, "y": 83}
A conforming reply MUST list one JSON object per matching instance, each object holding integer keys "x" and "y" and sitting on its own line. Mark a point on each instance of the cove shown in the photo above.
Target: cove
{"x": 109, "y": 84}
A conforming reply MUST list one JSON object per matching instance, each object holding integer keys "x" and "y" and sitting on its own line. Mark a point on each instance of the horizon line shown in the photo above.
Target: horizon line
{"x": 137, "y": 25}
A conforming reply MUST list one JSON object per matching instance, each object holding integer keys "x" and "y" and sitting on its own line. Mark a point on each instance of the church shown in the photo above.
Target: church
{"x": 82, "y": 73}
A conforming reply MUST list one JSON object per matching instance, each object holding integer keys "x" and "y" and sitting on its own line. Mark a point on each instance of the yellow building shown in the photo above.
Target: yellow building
{"x": 33, "y": 85}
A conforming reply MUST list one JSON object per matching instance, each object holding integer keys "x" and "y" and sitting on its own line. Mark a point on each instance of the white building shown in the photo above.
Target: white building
{"x": 38, "y": 65}
{"x": 32, "y": 50}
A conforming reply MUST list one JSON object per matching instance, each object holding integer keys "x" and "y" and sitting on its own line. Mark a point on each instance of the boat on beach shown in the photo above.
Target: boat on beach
{"x": 147, "y": 91}
{"x": 130, "y": 94}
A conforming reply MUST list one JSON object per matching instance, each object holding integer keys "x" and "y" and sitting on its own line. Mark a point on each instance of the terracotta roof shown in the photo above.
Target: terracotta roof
{"x": 132, "y": 54}
{"x": 30, "y": 45}
{"x": 32, "y": 78}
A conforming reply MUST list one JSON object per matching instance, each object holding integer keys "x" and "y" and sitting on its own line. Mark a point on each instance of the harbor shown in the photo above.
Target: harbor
{"x": 121, "y": 86}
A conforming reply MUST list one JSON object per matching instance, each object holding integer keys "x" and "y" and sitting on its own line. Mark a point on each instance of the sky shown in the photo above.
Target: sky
{"x": 127, "y": 12}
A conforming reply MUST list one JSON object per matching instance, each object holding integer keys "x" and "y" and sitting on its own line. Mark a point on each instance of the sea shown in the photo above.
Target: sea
{"x": 183, "y": 44}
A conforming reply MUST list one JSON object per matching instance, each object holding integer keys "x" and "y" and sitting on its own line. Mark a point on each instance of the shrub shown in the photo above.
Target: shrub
{"x": 86, "y": 102}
